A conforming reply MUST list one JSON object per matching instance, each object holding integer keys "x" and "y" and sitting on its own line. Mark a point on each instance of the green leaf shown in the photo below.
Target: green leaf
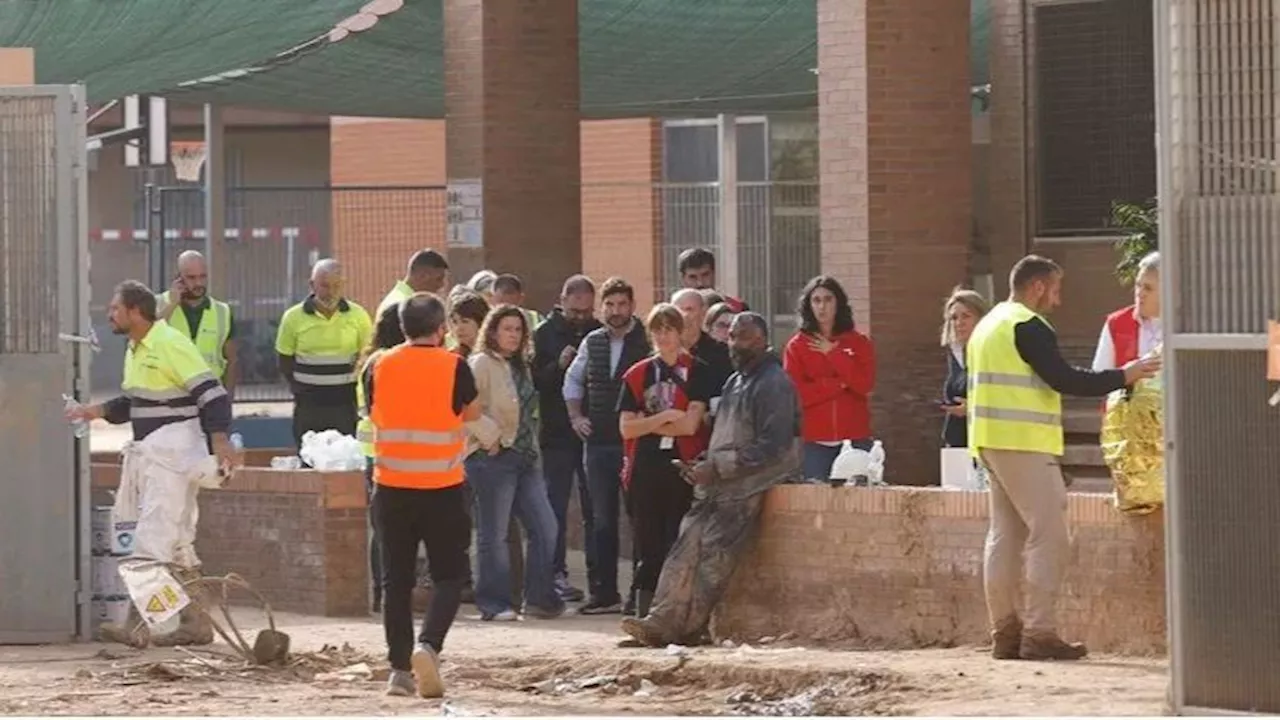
{"x": 1139, "y": 224}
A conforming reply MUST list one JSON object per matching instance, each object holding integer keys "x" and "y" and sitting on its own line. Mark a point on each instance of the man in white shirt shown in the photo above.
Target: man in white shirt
{"x": 1133, "y": 331}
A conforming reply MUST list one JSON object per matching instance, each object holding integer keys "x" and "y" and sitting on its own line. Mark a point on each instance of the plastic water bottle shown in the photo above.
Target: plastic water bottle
{"x": 79, "y": 428}
{"x": 237, "y": 441}
{"x": 875, "y": 468}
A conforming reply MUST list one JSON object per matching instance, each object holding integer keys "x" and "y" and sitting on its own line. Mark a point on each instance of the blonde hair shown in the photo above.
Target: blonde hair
{"x": 971, "y": 299}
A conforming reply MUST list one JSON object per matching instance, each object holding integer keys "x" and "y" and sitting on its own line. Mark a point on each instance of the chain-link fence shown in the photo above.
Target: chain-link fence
{"x": 272, "y": 237}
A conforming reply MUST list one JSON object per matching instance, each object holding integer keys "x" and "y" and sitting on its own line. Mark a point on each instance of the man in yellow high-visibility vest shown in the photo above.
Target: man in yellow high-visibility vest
{"x": 206, "y": 320}
{"x": 428, "y": 272}
{"x": 1017, "y": 377}
{"x": 508, "y": 289}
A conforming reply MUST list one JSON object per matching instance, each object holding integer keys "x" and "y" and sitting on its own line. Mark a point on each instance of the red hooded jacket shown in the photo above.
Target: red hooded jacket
{"x": 1123, "y": 326}
{"x": 833, "y": 387}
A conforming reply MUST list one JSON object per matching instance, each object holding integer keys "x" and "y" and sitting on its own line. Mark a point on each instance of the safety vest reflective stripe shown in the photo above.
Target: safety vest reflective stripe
{"x": 164, "y": 411}
{"x": 320, "y": 369}
{"x": 421, "y": 466}
{"x": 1010, "y": 379}
{"x": 1026, "y": 416}
{"x": 156, "y": 395}
{"x": 420, "y": 437}
{"x": 419, "y": 440}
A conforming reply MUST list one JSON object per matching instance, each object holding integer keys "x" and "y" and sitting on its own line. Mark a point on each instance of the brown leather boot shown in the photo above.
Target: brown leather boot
{"x": 1048, "y": 646}
{"x": 1006, "y": 639}
{"x": 645, "y": 631}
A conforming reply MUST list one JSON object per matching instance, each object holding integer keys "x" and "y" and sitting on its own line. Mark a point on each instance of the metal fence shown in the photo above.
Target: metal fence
{"x": 777, "y": 235}
{"x": 262, "y": 265}
{"x": 1216, "y": 66}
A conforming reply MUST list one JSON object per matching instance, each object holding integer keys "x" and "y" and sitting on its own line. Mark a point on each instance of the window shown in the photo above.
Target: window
{"x": 1094, "y": 69}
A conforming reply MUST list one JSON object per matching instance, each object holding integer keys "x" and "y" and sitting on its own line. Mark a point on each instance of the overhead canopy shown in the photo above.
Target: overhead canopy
{"x": 638, "y": 57}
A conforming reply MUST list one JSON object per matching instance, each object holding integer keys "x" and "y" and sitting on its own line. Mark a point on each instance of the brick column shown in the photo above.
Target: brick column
{"x": 511, "y": 94}
{"x": 895, "y": 135}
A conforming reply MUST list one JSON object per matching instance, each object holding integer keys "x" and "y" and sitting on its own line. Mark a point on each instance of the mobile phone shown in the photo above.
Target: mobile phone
{"x": 681, "y": 465}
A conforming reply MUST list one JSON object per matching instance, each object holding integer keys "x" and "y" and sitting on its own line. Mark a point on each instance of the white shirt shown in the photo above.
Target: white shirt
{"x": 1148, "y": 340}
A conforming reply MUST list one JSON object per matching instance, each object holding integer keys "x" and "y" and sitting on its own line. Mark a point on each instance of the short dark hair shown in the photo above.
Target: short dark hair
{"x": 469, "y": 305}
{"x": 387, "y": 333}
{"x": 695, "y": 258}
{"x": 136, "y": 296}
{"x": 1032, "y": 268}
{"x": 844, "y": 311}
{"x": 754, "y": 319}
{"x": 422, "y": 315}
{"x": 617, "y": 286}
{"x": 507, "y": 283}
{"x": 427, "y": 260}
{"x": 578, "y": 285}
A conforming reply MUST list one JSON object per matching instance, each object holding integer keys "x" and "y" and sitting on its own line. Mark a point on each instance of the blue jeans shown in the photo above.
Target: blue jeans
{"x": 818, "y": 458}
{"x": 562, "y": 466}
{"x": 505, "y": 484}
{"x": 604, "y": 484}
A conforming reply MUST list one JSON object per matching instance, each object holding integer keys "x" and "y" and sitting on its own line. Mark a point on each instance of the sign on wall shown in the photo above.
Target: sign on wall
{"x": 464, "y": 214}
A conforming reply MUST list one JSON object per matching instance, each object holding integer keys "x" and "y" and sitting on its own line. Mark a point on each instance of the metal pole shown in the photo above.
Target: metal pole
{"x": 155, "y": 235}
{"x": 727, "y": 265}
{"x": 215, "y": 205}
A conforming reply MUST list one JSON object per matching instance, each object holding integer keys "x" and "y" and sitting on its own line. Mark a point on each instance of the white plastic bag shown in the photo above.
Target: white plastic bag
{"x": 851, "y": 464}
{"x": 331, "y": 451}
{"x": 158, "y": 596}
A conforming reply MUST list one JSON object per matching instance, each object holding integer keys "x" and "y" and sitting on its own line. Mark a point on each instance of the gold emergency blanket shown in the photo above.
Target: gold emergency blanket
{"x": 1132, "y": 441}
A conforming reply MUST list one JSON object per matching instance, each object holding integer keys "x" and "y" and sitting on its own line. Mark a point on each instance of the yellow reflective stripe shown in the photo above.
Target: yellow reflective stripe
{"x": 324, "y": 359}
{"x": 1023, "y": 416}
{"x": 1008, "y": 379}
{"x": 328, "y": 380}
{"x": 419, "y": 437}
{"x": 186, "y": 411}
{"x": 400, "y": 465}
{"x": 156, "y": 395}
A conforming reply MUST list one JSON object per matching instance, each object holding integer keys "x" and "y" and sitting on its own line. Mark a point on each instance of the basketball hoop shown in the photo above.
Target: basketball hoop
{"x": 187, "y": 157}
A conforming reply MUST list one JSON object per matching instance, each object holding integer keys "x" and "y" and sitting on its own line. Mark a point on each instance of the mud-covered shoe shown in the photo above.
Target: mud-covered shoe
{"x": 644, "y": 631}
{"x": 426, "y": 672}
{"x": 1006, "y": 640}
{"x": 132, "y": 632}
{"x": 1048, "y": 646}
{"x": 195, "y": 627}
{"x": 400, "y": 684}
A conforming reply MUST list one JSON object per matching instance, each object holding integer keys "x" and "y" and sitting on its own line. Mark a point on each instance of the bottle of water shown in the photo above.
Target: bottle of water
{"x": 237, "y": 441}
{"x": 875, "y": 467}
{"x": 79, "y": 428}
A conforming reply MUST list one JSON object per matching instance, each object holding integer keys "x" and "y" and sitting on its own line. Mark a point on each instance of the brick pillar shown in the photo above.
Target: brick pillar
{"x": 17, "y": 66}
{"x": 894, "y": 122}
{"x": 1008, "y": 162}
{"x": 511, "y": 94}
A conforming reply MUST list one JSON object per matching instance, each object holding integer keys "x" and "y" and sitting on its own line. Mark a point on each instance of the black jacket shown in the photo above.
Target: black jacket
{"x": 955, "y": 430}
{"x": 549, "y": 340}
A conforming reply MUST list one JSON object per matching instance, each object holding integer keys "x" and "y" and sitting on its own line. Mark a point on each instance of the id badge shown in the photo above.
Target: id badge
{"x": 667, "y": 443}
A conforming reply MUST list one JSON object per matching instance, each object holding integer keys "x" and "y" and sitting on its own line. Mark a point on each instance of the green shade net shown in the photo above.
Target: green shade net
{"x": 638, "y": 57}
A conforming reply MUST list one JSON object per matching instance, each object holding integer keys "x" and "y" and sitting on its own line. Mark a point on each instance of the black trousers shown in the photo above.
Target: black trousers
{"x": 659, "y": 500}
{"x": 403, "y": 519}
{"x": 320, "y": 414}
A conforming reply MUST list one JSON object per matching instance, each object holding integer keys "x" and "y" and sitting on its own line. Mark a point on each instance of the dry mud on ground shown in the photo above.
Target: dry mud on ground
{"x": 569, "y": 666}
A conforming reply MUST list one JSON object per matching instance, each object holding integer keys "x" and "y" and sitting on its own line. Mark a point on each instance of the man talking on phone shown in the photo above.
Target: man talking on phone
{"x": 204, "y": 319}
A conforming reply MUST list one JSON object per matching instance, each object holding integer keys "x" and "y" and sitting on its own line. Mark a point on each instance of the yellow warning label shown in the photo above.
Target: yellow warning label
{"x": 154, "y": 605}
{"x": 170, "y": 595}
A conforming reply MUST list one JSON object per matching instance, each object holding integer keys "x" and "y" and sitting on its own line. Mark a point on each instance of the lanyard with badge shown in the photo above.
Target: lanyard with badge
{"x": 678, "y": 376}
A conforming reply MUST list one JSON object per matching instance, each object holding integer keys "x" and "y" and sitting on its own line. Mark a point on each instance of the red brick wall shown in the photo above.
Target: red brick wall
{"x": 298, "y": 537}
{"x": 903, "y": 568}
{"x": 620, "y": 161}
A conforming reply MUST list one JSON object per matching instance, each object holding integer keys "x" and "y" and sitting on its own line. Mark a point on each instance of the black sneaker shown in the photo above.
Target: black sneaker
{"x": 601, "y": 607}
{"x": 629, "y": 609}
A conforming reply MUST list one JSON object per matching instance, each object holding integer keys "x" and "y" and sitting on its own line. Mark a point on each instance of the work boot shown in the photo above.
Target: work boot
{"x": 132, "y": 632}
{"x": 195, "y": 627}
{"x": 645, "y": 631}
{"x": 1006, "y": 639}
{"x": 1048, "y": 646}
{"x": 644, "y": 598}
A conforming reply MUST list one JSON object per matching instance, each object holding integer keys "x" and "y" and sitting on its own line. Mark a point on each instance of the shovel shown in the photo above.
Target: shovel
{"x": 270, "y": 647}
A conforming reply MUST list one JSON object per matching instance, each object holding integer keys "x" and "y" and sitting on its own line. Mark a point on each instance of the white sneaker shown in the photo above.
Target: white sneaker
{"x": 426, "y": 672}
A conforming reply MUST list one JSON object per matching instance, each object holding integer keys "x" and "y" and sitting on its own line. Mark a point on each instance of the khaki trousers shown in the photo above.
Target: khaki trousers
{"x": 1028, "y": 515}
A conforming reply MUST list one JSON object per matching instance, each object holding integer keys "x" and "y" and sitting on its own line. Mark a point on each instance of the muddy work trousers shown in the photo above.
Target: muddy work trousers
{"x": 713, "y": 538}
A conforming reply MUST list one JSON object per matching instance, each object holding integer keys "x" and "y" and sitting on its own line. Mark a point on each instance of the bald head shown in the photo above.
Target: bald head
{"x": 326, "y": 282}
{"x": 428, "y": 271}
{"x": 748, "y": 339}
{"x": 193, "y": 275}
{"x": 693, "y": 308}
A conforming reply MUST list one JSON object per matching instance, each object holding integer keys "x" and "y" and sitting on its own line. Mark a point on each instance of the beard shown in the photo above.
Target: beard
{"x": 742, "y": 357}
{"x": 617, "y": 321}
{"x": 118, "y": 330}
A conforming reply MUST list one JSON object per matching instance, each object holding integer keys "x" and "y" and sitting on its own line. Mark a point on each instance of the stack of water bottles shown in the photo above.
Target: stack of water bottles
{"x": 111, "y": 542}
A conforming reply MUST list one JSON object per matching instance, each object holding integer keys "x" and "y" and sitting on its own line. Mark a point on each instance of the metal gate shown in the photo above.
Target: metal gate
{"x": 44, "y": 560}
{"x": 1217, "y": 88}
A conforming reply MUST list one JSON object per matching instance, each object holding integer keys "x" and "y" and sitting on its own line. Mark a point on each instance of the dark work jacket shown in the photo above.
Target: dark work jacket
{"x": 549, "y": 340}
{"x": 604, "y": 385}
{"x": 955, "y": 430}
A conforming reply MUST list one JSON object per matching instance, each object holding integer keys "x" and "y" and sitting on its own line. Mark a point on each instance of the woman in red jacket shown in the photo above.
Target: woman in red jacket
{"x": 834, "y": 369}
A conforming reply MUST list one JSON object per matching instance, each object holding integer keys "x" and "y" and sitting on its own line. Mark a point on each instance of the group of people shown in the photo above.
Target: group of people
{"x": 472, "y": 407}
